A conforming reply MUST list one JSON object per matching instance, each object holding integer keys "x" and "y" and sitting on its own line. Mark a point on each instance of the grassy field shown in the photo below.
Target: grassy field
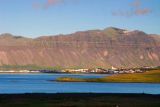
{"x": 152, "y": 76}
{"x": 79, "y": 100}
{"x": 29, "y": 67}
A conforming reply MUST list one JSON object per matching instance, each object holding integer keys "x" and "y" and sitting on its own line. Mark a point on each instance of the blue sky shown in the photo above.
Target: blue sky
{"x": 30, "y": 18}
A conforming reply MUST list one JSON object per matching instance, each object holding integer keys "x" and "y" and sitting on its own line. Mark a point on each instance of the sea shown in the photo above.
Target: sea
{"x": 45, "y": 83}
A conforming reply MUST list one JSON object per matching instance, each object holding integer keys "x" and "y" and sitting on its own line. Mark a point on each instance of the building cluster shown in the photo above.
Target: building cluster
{"x": 96, "y": 70}
{"x": 106, "y": 71}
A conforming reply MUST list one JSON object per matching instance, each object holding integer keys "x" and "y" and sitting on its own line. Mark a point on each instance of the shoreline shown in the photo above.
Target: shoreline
{"x": 106, "y": 82}
{"x": 77, "y": 93}
{"x": 10, "y": 72}
{"x": 72, "y": 94}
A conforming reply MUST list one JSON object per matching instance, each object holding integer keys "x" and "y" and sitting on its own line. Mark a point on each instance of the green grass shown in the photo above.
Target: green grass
{"x": 80, "y": 100}
{"x": 29, "y": 67}
{"x": 152, "y": 76}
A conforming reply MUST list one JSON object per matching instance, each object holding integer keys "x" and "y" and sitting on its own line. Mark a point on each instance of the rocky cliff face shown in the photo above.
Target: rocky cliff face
{"x": 94, "y": 48}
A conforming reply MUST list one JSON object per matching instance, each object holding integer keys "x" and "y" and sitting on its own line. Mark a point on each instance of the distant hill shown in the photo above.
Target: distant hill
{"x": 85, "y": 49}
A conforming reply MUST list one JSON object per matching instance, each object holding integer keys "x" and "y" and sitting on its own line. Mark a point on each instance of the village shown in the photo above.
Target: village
{"x": 113, "y": 70}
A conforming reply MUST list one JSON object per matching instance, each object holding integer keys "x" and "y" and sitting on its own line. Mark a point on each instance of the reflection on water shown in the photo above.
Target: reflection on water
{"x": 39, "y": 83}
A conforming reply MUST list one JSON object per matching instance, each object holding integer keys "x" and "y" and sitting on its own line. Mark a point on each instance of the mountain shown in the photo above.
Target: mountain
{"x": 85, "y": 49}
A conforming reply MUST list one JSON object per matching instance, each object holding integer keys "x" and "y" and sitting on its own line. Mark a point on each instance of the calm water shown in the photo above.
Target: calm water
{"x": 38, "y": 83}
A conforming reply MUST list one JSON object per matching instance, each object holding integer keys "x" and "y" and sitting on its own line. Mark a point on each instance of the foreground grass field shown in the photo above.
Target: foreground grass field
{"x": 79, "y": 100}
{"x": 152, "y": 76}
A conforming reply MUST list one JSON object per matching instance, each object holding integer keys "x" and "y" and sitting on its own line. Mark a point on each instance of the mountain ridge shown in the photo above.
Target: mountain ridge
{"x": 84, "y": 49}
{"x": 94, "y": 30}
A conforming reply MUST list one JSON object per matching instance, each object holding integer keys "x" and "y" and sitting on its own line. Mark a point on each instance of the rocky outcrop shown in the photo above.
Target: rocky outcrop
{"x": 85, "y": 49}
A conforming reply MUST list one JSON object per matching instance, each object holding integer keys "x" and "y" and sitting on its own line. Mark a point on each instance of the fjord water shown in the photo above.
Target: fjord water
{"x": 40, "y": 83}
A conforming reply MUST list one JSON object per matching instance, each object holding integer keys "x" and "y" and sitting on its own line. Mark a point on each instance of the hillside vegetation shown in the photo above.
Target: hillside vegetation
{"x": 28, "y": 67}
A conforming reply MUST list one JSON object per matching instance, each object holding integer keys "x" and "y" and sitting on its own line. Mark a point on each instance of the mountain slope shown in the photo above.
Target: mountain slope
{"x": 93, "y": 48}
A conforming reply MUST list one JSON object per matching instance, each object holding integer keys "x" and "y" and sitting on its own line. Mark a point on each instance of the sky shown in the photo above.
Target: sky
{"x": 33, "y": 18}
